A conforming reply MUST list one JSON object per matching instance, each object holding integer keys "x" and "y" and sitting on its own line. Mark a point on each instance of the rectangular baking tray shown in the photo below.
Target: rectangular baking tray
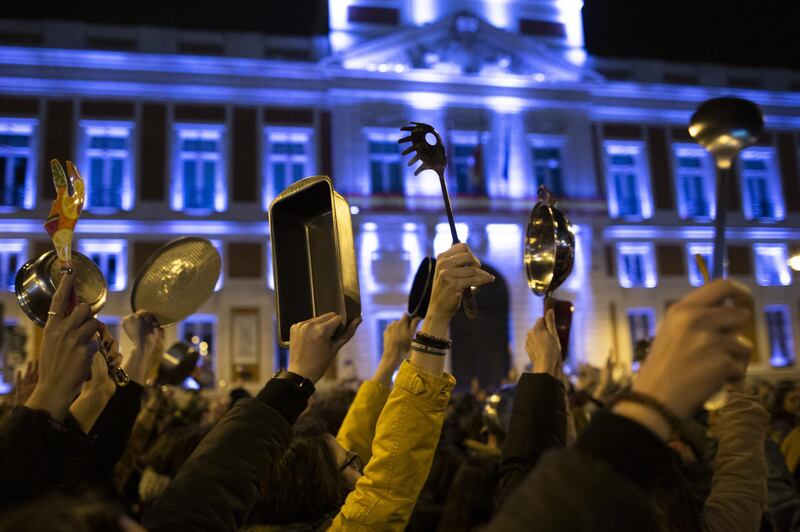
{"x": 313, "y": 255}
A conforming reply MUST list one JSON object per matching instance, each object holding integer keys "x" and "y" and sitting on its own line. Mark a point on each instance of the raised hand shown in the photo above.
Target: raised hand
{"x": 396, "y": 346}
{"x": 95, "y": 392}
{"x": 456, "y": 269}
{"x": 68, "y": 345}
{"x": 25, "y": 383}
{"x": 148, "y": 345}
{"x": 697, "y": 349}
{"x": 313, "y": 344}
{"x": 543, "y": 346}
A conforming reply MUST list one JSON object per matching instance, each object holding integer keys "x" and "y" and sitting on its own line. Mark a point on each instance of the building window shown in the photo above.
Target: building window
{"x": 17, "y": 141}
{"x": 467, "y": 176}
{"x": 199, "y": 183}
{"x": 546, "y": 155}
{"x": 642, "y": 325}
{"x": 636, "y": 265}
{"x": 705, "y": 250}
{"x": 200, "y": 332}
{"x": 107, "y": 164}
{"x": 443, "y": 239}
{"x": 628, "y": 180}
{"x": 694, "y": 176}
{"x": 13, "y": 254}
{"x": 385, "y": 172}
{"x": 111, "y": 257}
{"x": 779, "y": 333}
{"x": 761, "y": 191}
{"x": 381, "y": 322}
{"x": 772, "y": 267}
{"x": 289, "y": 157}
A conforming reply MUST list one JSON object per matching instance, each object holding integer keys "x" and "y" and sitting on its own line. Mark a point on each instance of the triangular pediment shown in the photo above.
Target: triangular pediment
{"x": 462, "y": 45}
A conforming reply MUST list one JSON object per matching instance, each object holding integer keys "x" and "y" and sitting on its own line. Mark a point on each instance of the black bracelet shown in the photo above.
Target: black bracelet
{"x": 432, "y": 341}
{"x": 636, "y": 397}
{"x": 422, "y": 348}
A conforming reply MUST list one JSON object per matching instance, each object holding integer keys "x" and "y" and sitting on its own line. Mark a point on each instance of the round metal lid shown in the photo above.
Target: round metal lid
{"x": 177, "y": 279}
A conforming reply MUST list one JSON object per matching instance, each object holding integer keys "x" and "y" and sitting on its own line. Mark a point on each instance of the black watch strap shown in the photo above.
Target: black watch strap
{"x": 305, "y": 385}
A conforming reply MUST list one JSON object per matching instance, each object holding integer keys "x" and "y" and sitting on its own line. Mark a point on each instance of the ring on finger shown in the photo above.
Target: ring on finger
{"x": 453, "y": 259}
{"x": 51, "y": 313}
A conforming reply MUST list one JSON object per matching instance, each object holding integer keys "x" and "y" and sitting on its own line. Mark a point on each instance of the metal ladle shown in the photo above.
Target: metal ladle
{"x": 724, "y": 127}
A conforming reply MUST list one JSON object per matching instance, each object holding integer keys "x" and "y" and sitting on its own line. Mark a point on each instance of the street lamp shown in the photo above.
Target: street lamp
{"x": 794, "y": 262}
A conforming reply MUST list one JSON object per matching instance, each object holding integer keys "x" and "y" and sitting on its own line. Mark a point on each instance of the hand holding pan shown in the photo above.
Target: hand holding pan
{"x": 177, "y": 280}
{"x": 429, "y": 148}
{"x": 548, "y": 259}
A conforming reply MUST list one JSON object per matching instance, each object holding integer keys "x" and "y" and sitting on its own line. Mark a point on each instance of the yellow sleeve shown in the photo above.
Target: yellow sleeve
{"x": 358, "y": 428}
{"x": 406, "y": 437}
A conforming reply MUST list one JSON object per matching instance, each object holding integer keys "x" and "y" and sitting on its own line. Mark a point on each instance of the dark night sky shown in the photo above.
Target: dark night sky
{"x": 765, "y": 33}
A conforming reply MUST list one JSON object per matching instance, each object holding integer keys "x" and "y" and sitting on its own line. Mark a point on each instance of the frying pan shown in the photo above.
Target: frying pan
{"x": 177, "y": 280}
{"x": 420, "y": 296}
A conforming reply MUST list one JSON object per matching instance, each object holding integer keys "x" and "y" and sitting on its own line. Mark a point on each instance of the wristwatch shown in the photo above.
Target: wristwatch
{"x": 305, "y": 385}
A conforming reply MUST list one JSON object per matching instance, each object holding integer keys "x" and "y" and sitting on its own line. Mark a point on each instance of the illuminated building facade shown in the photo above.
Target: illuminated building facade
{"x": 193, "y": 133}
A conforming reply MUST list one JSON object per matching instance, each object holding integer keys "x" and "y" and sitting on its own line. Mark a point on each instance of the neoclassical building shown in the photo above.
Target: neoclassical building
{"x": 188, "y": 132}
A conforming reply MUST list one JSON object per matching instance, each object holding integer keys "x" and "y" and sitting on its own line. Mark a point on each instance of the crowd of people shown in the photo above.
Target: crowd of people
{"x": 404, "y": 451}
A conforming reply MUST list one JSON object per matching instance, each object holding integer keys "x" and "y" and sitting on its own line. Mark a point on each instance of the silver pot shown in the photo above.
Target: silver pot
{"x": 37, "y": 280}
{"x": 549, "y": 246}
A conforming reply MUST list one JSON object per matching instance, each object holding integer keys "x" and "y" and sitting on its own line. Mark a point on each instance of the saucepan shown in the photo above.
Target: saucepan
{"x": 36, "y": 283}
{"x": 549, "y": 256}
{"x": 420, "y": 295}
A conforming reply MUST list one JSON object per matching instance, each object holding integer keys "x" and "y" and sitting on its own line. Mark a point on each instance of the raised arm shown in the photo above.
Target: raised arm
{"x": 539, "y": 415}
{"x": 739, "y": 485}
{"x": 358, "y": 428}
{"x": 410, "y": 424}
{"x": 217, "y": 486}
{"x": 607, "y": 481}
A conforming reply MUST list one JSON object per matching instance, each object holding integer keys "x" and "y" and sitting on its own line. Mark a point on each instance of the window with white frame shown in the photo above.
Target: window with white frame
{"x": 288, "y": 157}
{"x": 779, "y": 335}
{"x": 641, "y": 324}
{"x": 694, "y": 181}
{"x": 705, "y": 250}
{"x": 628, "y": 180}
{"x": 13, "y": 254}
{"x": 199, "y": 175}
{"x": 111, "y": 256}
{"x": 106, "y": 165}
{"x": 17, "y": 147}
{"x": 636, "y": 265}
{"x": 546, "y": 155}
{"x": 772, "y": 267}
{"x": 385, "y": 170}
{"x": 761, "y": 189}
{"x": 468, "y": 176}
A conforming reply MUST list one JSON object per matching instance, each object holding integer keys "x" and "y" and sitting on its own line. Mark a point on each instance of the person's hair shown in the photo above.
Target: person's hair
{"x": 782, "y": 389}
{"x": 59, "y": 513}
{"x": 471, "y": 500}
{"x": 172, "y": 449}
{"x": 304, "y": 485}
{"x": 331, "y": 407}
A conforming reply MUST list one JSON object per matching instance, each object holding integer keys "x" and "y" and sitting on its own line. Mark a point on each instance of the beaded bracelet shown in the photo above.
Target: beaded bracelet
{"x": 636, "y": 397}
{"x": 433, "y": 341}
{"x": 422, "y": 348}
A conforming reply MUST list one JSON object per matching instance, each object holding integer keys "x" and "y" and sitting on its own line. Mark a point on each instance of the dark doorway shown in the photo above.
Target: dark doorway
{"x": 480, "y": 346}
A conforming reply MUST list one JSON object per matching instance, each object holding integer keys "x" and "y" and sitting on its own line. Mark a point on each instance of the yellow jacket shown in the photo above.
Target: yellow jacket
{"x": 358, "y": 428}
{"x": 406, "y": 435}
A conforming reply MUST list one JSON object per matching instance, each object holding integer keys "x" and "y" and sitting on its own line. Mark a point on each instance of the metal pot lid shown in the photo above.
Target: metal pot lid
{"x": 549, "y": 246}
{"x": 37, "y": 280}
{"x": 177, "y": 279}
